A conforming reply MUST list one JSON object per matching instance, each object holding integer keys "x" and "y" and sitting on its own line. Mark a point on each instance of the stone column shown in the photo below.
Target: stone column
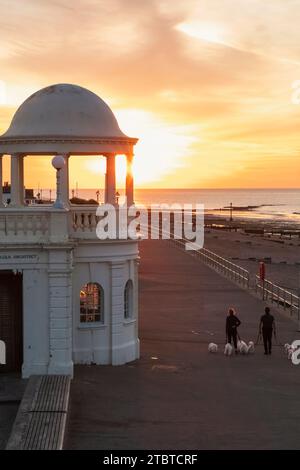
{"x": 129, "y": 180}
{"x": 21, "y": 179}
{"x": 110, "y": 189}
{"x": 64, "y": 182}
{"x": 17, "y": 180}
{"x": 117, "y": 311}
{"x": 60, "y": 312}
{"x": 1, "y": 183}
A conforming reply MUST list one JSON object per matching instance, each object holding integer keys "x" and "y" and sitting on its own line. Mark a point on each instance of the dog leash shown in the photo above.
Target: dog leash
{"x": 278, "y": 342}
{"x": 258, "y": 338}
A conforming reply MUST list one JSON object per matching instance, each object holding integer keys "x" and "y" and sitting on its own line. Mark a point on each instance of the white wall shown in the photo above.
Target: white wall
{"x": 110, "y": 265}
{"x": 35, "y": 322}
{"x": 52, "y": 279}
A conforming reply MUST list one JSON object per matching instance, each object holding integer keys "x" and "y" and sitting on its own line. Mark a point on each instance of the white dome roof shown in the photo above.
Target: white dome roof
{"x": 64, "y": 111}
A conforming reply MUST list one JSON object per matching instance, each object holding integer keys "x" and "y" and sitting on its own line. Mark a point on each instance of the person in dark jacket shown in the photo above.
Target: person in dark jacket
{"x": 232, "y": 323}
{"x": 266, "y": 328}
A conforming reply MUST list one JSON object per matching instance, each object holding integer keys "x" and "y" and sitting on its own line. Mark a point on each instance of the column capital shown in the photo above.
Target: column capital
{"x": 109, "y": 154}
{"x": 18, "y": 155}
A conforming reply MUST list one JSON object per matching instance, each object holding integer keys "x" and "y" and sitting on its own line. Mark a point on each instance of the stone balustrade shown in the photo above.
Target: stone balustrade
{"x": 23, "y": 225}
{"x": 44, "y": 224}
{"x": 84, "y": 221}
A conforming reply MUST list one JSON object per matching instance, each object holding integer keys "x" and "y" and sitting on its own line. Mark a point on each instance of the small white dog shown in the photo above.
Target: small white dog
{"x": 288, "y": 348}
{"x": 242, "y": 347}
{"x": 228, "y": 350}
{"x": 251, "y": 347}
{"x": 290, "y": 352}
{"x": 212, "y": 348}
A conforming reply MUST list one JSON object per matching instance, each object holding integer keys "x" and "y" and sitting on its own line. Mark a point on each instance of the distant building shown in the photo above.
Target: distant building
{"x": 66, "y": 297}
{"x": 29, "y": 197}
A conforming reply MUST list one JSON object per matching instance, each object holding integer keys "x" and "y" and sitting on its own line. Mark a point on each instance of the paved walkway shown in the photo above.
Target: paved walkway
{"x": 11, "y": 391}
{"x": 177, "y": 396}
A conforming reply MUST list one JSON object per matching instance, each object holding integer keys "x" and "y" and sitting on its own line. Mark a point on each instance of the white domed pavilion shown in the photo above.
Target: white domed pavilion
{"x": 66, "y": 297}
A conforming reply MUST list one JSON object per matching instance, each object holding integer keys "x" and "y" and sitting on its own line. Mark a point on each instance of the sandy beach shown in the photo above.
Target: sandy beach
{"x": 281, "y": 254}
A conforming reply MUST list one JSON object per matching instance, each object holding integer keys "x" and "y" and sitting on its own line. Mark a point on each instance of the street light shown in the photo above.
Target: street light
{"x": 58, "y": 162}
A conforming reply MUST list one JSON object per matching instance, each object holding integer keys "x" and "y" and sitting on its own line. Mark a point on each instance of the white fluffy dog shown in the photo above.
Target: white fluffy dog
{"x": 228, "y": 350}
{"x": 251, "y": 348}
{"x": 212, "y": 348}
{"x": 242, "y": 347}
{"x": 290, "y": 352}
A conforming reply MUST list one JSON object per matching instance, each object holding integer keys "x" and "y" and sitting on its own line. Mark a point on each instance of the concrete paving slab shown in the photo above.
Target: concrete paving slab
{"x": 178, "y": 396}
{"x": 11, "y": 391}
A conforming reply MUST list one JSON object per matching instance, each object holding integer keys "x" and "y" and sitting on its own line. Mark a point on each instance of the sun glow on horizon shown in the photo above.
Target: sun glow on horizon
{"x": 161, "y": 148}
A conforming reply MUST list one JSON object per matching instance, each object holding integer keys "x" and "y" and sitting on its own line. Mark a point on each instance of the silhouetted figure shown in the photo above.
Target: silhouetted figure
{"x": 266, "y": 328}
{"x": 232, "y": 323}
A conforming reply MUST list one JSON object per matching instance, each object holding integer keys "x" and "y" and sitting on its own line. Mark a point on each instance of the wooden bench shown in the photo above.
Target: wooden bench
{"x": 41, "y": 419}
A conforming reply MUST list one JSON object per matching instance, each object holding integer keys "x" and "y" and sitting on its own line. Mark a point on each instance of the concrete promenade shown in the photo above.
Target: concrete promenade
{"x": 178, "y": 396}
{"x": 11, "y": 391}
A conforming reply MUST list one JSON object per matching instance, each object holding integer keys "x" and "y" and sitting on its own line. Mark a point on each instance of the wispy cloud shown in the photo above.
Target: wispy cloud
{"x": 223, "y": 69}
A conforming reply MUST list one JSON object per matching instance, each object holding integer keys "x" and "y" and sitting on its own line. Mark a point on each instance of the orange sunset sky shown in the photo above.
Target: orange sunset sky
{"x": 206, "y": 85}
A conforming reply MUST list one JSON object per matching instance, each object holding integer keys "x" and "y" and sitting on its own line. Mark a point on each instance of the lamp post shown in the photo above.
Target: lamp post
{"x": 58, "y": 162}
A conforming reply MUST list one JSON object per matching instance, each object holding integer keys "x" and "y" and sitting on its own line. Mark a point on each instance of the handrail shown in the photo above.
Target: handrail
{"x": 217, "y": 262}
{"x": 282, "y": 297}
{"x": 220, "y": 264}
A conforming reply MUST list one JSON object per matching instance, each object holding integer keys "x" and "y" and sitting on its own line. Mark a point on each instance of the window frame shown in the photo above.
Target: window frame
{"x": 95, "y": 323}
{"x": 128, "y": 301}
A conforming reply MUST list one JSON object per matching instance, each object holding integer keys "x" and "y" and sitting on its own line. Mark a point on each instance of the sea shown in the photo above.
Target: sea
{"x": 269, "y": 204}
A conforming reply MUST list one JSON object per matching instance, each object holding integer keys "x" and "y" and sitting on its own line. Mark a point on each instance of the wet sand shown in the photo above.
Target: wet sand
{"x": 247, "y": 250}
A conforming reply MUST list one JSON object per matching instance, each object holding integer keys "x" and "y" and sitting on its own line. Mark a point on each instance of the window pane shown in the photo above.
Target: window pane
{"x": 91, "y": 303}
{"x": 128, "y": 304}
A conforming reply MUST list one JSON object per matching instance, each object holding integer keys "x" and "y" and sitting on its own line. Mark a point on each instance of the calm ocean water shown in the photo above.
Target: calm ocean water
{"x": 281, "y": 204}
{"x": 271, "y": 204}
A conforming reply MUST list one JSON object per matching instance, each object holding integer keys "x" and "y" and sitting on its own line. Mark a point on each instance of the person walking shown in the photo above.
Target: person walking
{"x": 232, "y": 323}
{"x": 266, "y": 328}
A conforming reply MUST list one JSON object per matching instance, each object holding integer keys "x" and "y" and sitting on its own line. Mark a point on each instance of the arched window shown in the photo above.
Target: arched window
{"x": 128, "y": 299}
{"x": 91, "y": 303}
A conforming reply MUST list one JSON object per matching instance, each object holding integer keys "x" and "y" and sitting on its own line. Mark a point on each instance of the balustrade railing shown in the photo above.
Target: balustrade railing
{"x": 23, "y": 224}
{"x": 220, "y": 264}
{"x": 283, "y": 298}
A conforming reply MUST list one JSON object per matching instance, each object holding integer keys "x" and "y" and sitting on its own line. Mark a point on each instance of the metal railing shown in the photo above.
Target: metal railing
{"x": 269, "y": 290}
{"x": 276, "y": 294}
{"x": 218, "y": 263}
